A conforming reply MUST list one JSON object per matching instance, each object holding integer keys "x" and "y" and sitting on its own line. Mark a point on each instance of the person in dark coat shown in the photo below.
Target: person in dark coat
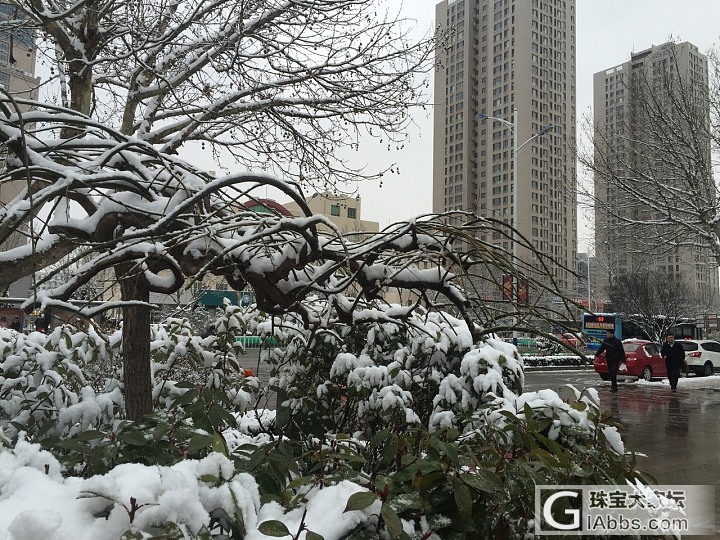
{"x": 16, "y": 325}
{"x": 674, "y": 356}
{"x": 614, "y": 355}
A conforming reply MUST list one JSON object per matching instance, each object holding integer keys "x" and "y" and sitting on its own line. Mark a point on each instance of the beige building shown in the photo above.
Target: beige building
{"x": 622, "y": 145}
{"x": 501, "y": 56}
{"x": 342, "y": 210}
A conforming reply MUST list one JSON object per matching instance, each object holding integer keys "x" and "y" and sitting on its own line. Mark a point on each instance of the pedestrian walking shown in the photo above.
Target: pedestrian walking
{"x": 674, "y": 356}
{"x": 614, "y": 355}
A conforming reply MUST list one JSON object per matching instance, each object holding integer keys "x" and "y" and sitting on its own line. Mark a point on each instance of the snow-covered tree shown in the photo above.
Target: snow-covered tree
{"x": 283, "y": 84}
{"x": 280, "y": 85}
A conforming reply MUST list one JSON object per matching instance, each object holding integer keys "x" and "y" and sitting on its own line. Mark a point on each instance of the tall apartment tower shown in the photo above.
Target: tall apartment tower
{"x": 501, "y": 56}
{"x": 17, "y": 72}
{"x": 620, "y": 120}
{"x": 17, "y": 76}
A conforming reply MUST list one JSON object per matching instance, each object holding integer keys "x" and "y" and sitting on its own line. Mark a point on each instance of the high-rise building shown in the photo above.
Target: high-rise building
{"x": 513, "y": 63}
{"x": 17, "y": 57}
{"x": 628, "y": 142}
{"x": 17, "y": 76}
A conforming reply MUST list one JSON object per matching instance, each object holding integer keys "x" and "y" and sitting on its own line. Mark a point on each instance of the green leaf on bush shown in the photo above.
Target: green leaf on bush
{"x": 410, "y": 501}
{"x": 45, "y": 427}
{"x": 160, "y": 431}
{"x": 301, "y": 481}
{"x": 70, "y": 444}
{"x": 219, "y": 444}
{"x": 463, "y": 499}
{"x": 199, "y": 441}
{"x": 273, "y": 528}
{"x": 209, "y": 478}
{"x": 254, "y": 459}
{"x": 360, "y": 501}
{"x": 90, "y": 435}
{"x": 135, "y": 438}
{"x": 556, "y": 449}
{"x": 388, "y": 452}
{"x": 185, "y": 398}
{"x": 433, "y": 479}
{"x": 378, "y": 439}
{"x": 483, "y": 480}
{"x": 313, "y": 536}
{"x": 450, "y": 451}
{"x": 392, "y": 521}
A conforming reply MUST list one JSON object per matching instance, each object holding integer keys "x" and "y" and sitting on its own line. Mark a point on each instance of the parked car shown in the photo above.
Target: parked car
{"x": 702, "y": 355}
{"x": 642, "y": 358}
{"x": 571, "y": 339}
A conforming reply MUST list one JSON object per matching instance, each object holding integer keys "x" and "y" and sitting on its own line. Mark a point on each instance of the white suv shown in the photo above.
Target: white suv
{"x": 702, "y": 355}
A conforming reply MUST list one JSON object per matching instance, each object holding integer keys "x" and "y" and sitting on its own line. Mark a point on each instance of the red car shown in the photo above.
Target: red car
{"x": 643, "y": 361}
{"x": 570, "y": 339}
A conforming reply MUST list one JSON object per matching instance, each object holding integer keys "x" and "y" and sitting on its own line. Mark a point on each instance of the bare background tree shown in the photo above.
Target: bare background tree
{"x": 653, "y": 300}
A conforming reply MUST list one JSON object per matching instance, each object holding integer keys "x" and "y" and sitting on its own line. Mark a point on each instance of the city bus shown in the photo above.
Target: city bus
{"x": 594, "y": 326}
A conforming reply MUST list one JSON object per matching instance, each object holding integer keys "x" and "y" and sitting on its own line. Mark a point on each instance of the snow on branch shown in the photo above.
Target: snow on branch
{"x": 163, "y": 221}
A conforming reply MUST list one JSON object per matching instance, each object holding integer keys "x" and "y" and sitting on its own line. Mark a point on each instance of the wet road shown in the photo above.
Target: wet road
{"x": 679, "y": 433}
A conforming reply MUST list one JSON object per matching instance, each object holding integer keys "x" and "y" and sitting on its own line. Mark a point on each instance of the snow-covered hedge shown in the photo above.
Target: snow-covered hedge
{"x": 397, "y": 431}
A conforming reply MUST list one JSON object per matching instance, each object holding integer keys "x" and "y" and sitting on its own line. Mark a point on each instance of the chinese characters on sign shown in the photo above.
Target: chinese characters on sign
{"x": 619, "y": 510}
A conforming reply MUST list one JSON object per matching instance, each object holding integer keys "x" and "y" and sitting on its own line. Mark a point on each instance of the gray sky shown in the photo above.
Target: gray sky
{"x": 607, "y": 32}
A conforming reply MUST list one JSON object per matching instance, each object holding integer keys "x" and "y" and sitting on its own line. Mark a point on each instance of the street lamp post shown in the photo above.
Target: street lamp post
{"x": 588, "y": 283}
{"x": 588, "y": 267}
{"x": 516, "y": 196}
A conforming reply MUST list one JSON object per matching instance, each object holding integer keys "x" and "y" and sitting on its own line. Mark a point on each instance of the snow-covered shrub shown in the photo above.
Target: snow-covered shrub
{"x": 374, "y": 372}
{"x": 442, "y": 435}
{"x": 53, "y": 384}
{"x": 63, "y": 390}
{"x": 183, "y": 500}
{"x": 184, "y": 362}
{"x": 472, "y": 482}
{"x": 479, "y": 483}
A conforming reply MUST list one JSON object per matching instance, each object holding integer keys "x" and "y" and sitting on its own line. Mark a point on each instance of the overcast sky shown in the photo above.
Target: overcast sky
{"x": 607, "y": 32}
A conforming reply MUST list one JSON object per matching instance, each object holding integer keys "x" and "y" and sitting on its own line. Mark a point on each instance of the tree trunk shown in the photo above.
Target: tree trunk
{"x": 136, "y": 349}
